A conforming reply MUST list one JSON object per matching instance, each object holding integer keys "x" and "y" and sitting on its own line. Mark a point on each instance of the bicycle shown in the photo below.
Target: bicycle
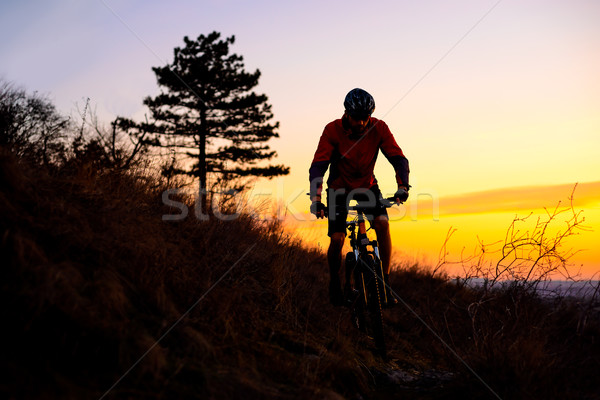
{"x": 366, "y": 291}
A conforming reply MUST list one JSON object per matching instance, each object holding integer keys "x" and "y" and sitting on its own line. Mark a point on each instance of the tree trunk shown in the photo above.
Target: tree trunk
{"x": 202, "y": 193}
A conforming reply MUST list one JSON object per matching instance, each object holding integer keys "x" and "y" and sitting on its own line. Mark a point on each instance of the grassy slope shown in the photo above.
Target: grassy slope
{"x": 92, "y": 277}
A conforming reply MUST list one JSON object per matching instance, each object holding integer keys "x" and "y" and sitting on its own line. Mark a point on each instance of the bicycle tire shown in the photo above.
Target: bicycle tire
{"x": 375, "y": 304}
{"x": 354, "y": 281}
{"x": 384, "y": 291}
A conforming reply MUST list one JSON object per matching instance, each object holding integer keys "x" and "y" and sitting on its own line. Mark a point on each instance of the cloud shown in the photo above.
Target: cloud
{"x": 527, "y": 198}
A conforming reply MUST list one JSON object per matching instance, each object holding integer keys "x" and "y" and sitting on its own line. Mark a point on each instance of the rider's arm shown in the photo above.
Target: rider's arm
{"x": 395, "y": 156}
{"x": 319, "y": 165}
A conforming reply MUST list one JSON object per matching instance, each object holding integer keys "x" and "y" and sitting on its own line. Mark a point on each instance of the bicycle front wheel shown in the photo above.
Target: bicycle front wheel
{"x": 355, "y": 293}
{"x": 374, "y": 297}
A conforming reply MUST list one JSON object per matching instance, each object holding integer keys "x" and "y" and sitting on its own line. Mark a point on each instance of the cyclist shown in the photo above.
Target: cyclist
{"x": 349, "y": 147}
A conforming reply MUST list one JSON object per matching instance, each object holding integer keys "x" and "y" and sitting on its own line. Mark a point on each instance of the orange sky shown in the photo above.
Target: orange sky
{"x": 420, "y": 227}
{"x": 486, "y": 216}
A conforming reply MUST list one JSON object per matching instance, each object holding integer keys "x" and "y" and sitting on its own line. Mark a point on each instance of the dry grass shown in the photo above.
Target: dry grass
{"x": 92, "y": 278}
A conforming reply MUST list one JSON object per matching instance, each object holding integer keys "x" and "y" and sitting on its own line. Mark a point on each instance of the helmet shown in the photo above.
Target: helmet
{"x": 359, "y": 104}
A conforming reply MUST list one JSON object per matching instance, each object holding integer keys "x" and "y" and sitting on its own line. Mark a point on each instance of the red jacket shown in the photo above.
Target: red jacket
{"x": 352, "y": 157}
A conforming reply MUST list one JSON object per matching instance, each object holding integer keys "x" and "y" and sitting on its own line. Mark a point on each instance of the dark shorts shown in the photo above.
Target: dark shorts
{"x": 338, "y": 200}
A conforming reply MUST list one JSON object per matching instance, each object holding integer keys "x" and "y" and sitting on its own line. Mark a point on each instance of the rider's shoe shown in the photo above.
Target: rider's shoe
{"x": 336, "y": 297}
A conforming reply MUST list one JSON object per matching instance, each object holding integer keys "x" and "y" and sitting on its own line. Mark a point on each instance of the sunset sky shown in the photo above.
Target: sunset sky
{"x": 495, "y": 103}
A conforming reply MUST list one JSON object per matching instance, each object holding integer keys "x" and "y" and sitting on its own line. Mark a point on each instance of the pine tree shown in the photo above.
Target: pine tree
{"x": 208, "y": 111}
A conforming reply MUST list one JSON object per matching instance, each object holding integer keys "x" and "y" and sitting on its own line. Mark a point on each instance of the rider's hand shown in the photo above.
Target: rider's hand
{"x": 317, "y": 208}
{"x": 401, "y": 195}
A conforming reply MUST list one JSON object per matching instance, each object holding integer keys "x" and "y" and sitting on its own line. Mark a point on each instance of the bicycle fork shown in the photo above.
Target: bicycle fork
{"x": 376, "y": 269}
{"x": 372, "y": 269}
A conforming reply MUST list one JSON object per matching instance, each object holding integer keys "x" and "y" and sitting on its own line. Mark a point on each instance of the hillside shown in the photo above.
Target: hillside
{"x": 101, "y": 298}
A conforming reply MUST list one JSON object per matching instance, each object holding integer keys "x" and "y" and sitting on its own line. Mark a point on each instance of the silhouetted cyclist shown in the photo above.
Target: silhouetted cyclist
{"x": 349, "y": 147}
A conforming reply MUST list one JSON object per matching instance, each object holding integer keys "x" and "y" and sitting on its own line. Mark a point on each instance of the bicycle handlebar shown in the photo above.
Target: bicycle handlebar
{"x": 385, "y": 202}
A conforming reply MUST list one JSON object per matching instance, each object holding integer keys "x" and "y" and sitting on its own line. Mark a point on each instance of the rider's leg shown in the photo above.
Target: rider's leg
{"x": 382, "y": 228}
{"x": 334, "y": 257}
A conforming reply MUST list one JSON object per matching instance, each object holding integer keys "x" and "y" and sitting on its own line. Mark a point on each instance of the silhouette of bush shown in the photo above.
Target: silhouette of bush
{"x": 31, "y": 126}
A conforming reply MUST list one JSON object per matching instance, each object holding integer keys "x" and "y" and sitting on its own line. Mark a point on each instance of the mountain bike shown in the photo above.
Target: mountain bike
{"x": 366, "y": 292}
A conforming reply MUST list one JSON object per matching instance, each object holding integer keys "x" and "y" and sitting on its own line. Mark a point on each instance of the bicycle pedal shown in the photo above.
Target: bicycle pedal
{"x": 355, "y": 322}
{"x": 350, "y": 296}
{"x": 391, "y": 303}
